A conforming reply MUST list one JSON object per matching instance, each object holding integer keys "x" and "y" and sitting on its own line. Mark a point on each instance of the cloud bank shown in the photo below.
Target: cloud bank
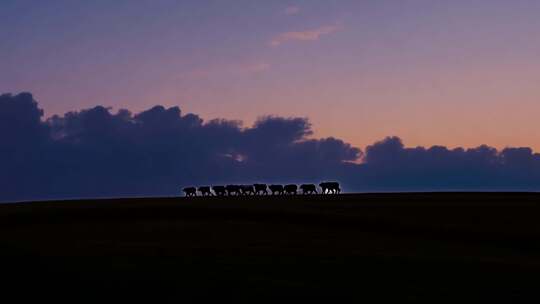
{"x": 97, "y": 153}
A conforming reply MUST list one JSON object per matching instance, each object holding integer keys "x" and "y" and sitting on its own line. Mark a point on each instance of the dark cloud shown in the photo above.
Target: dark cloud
{"x": 97, "y": 152}
{"x": 20, "y": 121}
{"x": 389, "y": 165}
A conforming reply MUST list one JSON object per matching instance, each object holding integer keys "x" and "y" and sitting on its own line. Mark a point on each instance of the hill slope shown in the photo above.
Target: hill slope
{"x": 406, "y": 247}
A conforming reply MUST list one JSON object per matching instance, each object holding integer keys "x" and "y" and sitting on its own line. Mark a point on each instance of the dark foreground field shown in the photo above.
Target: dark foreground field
{"x": 404, "y": 247}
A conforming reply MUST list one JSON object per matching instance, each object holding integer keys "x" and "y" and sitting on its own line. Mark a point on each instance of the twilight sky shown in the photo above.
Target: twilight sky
{"x": 455, "y": 73}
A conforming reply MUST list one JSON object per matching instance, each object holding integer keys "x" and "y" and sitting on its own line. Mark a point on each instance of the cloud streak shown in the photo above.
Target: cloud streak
{"x": 307, "y": 35}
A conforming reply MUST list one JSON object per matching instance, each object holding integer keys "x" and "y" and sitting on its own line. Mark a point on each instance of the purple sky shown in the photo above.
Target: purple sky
{"x": 456, "y": 73}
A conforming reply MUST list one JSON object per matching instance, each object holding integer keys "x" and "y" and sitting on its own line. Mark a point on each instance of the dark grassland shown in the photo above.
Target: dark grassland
{"x": 409, "y": 247}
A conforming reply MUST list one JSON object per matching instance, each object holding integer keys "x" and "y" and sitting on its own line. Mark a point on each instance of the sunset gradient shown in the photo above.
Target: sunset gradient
{"x": 453, "y": 73}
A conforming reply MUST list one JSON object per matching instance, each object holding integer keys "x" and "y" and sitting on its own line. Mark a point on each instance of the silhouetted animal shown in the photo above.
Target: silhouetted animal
{"x": 291, "y": 189}
{"x": 232, "y": 189}
{"x": 330, "y": 188}
{"x": 190, "y": 191}
{"x": 261, "y": 189}
{"x": 247, "y": 190}
{"x": 276, "y": 189}
{"x": 308, "y": 189}
{"x": 205, "y": 191}
{"x": 219, "y": 190}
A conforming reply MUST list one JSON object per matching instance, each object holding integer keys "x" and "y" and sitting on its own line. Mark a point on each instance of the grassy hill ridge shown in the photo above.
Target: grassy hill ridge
{"x": 416, "y": 245}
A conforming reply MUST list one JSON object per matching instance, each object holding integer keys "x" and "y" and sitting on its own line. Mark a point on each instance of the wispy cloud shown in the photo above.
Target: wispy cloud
{"x": 292, "y": 10}
{"x": 308, "y": 35}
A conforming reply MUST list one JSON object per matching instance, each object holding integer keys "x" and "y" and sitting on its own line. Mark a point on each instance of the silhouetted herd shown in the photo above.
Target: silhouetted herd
{"x": 263, "y": 189}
